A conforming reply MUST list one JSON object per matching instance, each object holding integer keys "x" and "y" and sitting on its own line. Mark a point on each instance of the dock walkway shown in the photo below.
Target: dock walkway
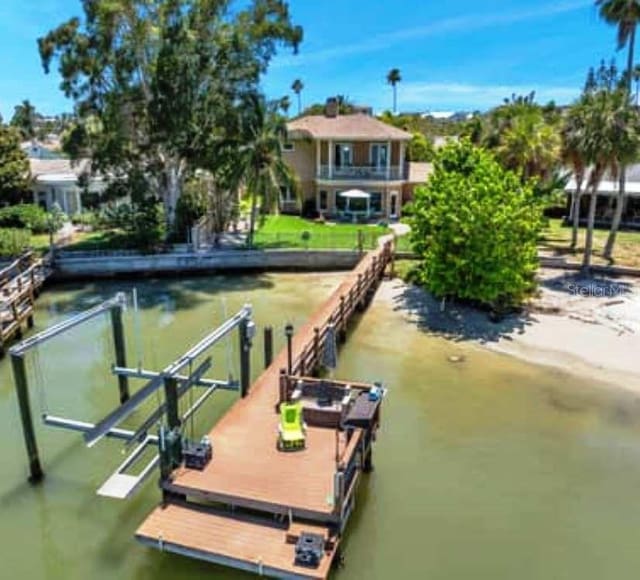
{"x": 280, "y": 495}
{"x": 20, "y": 284}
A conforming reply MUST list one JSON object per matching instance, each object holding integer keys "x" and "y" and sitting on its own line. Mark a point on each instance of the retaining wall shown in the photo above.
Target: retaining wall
{"x": 85, "y": 265}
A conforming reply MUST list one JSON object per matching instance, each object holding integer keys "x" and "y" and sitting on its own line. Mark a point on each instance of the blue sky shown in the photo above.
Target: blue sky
{"x": 454, "y": 55}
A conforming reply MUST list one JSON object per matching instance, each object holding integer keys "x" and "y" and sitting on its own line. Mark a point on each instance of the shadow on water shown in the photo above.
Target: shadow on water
{"x": 457, "y": 322}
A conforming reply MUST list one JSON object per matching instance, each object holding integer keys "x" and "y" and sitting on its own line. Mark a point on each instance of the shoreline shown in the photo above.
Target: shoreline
{"x": 592, "y": 337}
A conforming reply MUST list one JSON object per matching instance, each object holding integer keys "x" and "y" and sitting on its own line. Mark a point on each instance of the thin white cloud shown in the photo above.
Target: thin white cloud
{"x": 448, "y": 25}
{"x": 424, "y": 95}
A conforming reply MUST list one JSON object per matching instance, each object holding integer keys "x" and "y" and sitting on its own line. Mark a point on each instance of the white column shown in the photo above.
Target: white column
{"x": 388, "y": 160}
{"x": 401, "y": 163}
{"x": 318, "y": 157}
{"x": 78, "y": 201}
{"x": 330, "y": 149}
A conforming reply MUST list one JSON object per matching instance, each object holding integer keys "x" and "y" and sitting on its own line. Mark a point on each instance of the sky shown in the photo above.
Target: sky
{"x": 453, "y": 55}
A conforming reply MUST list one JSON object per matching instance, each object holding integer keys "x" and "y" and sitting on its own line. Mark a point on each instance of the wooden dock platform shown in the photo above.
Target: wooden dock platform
{"x": 20, "y": 284}
{"x": 248, "y": 506}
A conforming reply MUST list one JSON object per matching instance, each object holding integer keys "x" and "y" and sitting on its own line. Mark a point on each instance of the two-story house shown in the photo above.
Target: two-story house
{"x": 349, "y": 166}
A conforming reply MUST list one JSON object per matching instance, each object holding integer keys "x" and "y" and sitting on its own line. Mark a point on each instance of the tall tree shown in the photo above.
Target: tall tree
{"x": 393, "y": 78}
{"x": 14, "y": 166}
{"x": 610, "y": 140}
{"x": 255, "y": 155}
{"x": 159, "y": 79}
{"x": 625, "y": 15}
{"x": 573, "y": 155}
{"x": 24, "y": 119}
{"x": 297, "y": 87}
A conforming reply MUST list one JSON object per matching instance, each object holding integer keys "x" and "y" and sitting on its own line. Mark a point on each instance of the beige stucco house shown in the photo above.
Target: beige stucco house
{"x": 349, "y": 166}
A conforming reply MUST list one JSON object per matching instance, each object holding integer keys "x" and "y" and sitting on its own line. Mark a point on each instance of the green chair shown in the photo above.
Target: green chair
{"x": 291, "y": 430}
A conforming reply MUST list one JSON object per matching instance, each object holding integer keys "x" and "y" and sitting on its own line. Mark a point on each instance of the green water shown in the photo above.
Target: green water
{"x": 488, "y": 469}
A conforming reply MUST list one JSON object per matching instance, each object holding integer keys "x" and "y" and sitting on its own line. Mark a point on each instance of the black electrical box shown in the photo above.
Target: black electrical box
{"x": 309, "y": 550}
{"x": 197, "y": 455}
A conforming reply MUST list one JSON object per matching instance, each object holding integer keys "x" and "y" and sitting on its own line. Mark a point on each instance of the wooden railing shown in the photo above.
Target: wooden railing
{"x": 357, "y": 297}
{"x": 20, "y": 284}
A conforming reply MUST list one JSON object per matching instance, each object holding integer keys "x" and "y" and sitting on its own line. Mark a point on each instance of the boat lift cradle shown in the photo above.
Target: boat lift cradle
{"x": 122, "y": 485}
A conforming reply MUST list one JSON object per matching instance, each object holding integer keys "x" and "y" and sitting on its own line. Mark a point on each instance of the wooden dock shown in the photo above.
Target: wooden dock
{"x": 248, "y": 507}
{"x": 20, "y": 284}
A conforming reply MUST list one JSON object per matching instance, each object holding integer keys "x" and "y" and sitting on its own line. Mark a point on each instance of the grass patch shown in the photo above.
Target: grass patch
{"x": 284, "y": 231}
{"x": 556, "y": 239}
{"x": 99, "y": 240}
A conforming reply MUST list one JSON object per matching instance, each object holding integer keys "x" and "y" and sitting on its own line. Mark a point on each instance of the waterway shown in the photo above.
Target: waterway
{"x": 485, "y": 469}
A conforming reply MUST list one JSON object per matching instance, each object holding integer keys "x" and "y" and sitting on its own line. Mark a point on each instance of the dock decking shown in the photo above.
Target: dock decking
{"x": 20, "y": 284}
{"x": 313, "y": 490}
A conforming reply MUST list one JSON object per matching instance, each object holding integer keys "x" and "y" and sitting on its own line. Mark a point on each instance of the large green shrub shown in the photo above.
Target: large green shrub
{"x": 13, "y": 241}
{"x": 29, "y": 216}
{"x": 475, "y": 227}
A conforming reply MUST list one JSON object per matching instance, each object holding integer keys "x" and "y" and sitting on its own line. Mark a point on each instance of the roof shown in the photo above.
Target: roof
{"x": 57, "y": 170}
{"x": 419, "y": 171}
{"x": 353, "y": 127}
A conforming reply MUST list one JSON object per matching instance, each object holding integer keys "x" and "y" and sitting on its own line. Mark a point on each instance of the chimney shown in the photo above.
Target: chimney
{"x": 331, "y": 108}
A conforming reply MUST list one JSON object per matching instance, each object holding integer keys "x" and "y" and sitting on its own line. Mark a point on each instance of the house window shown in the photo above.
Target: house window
{"x": 323, "y": 201}
{"x": 286, "y": 195}
{"x": 288, "y": 147}
{"x": 343, "y": 154}
{"x": 376, "y": 202}
{"x": 341, "y": 202}
{"x": 379, "y": 154}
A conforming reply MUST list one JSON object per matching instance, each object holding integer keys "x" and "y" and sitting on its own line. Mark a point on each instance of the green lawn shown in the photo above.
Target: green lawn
{"x": 556, "y": 239}
{"x": 294, "y": 232}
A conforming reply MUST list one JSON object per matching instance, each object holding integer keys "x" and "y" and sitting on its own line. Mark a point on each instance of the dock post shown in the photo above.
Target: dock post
{"x": 22, "y": 391}
{"x": 121, "y": 353}
{"x": 316, "y": 351}
{"x": 171, "y": 395}
{"x": 288, "y": 331}
{"x": 245, "y": 358}
{"x": 342, "y": 327}
{"x": 268, "y": 346}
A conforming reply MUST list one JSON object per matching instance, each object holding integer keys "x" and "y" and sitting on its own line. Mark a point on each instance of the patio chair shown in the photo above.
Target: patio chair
{"x": 291, "y": 430}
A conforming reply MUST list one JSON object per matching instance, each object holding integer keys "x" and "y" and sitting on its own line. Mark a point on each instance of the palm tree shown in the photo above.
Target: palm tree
{"x": 636, "y": 79}
{"x": 255, "y": 155}
{"x": 573, "y": 131}
{"x": 393, "y": 78}
{"x": 297, "y": 87}
{"x": 611, "y": 140}
{"x": 625, "y": 15}
{"x": 530, "y": 146}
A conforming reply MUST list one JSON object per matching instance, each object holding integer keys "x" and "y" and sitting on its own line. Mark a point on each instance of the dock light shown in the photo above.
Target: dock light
{"x": 288, "y": 332}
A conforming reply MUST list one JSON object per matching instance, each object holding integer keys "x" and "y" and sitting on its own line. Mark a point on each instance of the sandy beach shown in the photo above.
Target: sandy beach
{"x": 588, "y": 327}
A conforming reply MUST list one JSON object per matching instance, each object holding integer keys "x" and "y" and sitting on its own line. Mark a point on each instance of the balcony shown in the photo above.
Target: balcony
{"x": 362, "y": 173}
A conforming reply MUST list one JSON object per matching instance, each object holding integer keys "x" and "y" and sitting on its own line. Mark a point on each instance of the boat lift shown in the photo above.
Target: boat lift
{"x": 172, "y": 378}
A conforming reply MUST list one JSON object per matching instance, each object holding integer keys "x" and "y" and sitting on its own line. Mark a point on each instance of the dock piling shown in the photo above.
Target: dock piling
{"x": 171, "y": 395}
{"x": 268, "y": 346}
{"x": 20, "y": 376}
{"x": 120, "y": 350}
{"x": 245, "y": 358}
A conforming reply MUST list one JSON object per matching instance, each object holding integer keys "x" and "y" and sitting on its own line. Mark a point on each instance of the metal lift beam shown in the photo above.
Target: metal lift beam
{"x": 171, "y": 371}
{"x": 56, "y": 329}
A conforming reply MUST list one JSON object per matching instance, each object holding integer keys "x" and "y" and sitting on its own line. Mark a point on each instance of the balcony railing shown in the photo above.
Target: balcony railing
{"x": 362, "y": 172}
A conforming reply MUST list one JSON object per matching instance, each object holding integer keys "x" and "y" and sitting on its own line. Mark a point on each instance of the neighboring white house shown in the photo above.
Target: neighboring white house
{"x": 607, "y": 193}
{"x": 57, "y": 181}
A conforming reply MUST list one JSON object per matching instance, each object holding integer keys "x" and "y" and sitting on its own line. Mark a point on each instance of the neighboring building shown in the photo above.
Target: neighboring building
{"x": 607, "y": 192}
{"x": 58, "y": 181}
{"x": 335, "y": 154}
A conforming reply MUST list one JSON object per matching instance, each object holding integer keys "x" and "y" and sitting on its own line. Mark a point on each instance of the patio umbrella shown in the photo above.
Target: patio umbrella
{"x": 355, "y": 194}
